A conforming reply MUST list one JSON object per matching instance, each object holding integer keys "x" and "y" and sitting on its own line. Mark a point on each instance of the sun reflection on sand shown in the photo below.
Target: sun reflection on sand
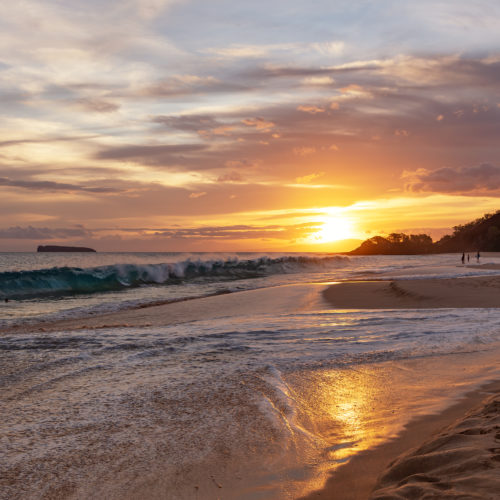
{"x": 356, "y": 404}
{"x": 348, "y": 410}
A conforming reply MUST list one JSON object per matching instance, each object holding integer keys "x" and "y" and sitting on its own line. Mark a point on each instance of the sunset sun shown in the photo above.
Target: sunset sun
{"x": 334, "y": 229}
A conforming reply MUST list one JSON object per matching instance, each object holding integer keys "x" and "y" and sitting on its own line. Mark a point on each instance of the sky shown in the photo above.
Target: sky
{"x": 194, "y": 125}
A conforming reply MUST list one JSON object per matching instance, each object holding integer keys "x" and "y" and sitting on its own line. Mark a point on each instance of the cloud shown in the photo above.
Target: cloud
{"x": 185, "y": 85}
{"x": 477, "y": 179}
{"x": 304, "y": 151}
{"x": 190, "y": 123}
{"x": 306, "y": 179}
{"x": 254, "y": 51}
{"x": 55, "y": 186}
{"x": 97, "y": 105}
{"x": 157, "y": 154}
{"x": 241, "y": 51}
{"x": 230, "y": 177}
{"x": 197, "y": 195}
{"x": 311, "y": 109}
{"x": 242, "y": 232}
{"x": 401, "y": 132}
{"x": 318, "y": 80}
{"x": 44, "y": 140}
{"x": 329, "y": 48}
{"x": 258, "y": 123}
{"x": 43, "y": 233}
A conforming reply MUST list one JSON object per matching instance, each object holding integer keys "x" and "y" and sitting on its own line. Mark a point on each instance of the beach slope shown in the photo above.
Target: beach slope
{"x": 462, "y": 461}
{"x": 428, "y": 293}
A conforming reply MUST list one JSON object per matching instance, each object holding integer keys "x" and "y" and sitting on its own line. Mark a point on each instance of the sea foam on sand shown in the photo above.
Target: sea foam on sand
{"x": 96, "y": 409}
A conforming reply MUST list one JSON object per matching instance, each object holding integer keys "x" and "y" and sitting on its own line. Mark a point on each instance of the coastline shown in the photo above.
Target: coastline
{"x": 245, "y": 302}
{"x": 432, "y": 293}
{"x": 426, "y": 293}
{"x": 357, "y": 478}
{"x": 402, "y": 466}
{"x": 383, "y": 471}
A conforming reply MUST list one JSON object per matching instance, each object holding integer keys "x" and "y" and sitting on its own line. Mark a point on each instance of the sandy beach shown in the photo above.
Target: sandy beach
{"x": 426, "y": 293}
{"x": 460, "y": 461}
{"x": 454, "y": 454}
{"x": 425, "y": 457}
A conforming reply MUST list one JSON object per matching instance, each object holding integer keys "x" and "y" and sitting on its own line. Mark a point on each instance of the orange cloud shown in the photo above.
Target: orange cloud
{"x": 310, "y": 109}
{"x": 197, "y": 195}
{"x": 306, "y": 179}
{"x": 401, "y": 132}
{"x": 230, "y": 177}
{"x": 258, "y": 123}
{"x": 304, "y": 151}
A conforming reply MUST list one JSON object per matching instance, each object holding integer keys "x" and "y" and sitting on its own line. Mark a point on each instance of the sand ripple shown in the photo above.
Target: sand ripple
{"x": 463, "y": 461}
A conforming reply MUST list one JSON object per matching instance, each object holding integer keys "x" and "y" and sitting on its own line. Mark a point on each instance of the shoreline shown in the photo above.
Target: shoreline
{"x": 357, "y": 478}
{"x": 378, "y": 472}
{"x": 292, "y": 297}
{"x": 426, "y": 293}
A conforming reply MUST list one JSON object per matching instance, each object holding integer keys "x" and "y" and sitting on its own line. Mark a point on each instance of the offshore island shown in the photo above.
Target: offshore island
{"x": 57, "y": 248}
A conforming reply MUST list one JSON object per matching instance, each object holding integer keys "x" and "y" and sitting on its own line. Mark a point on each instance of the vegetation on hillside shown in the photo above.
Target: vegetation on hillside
{"x": 482, "y": 234}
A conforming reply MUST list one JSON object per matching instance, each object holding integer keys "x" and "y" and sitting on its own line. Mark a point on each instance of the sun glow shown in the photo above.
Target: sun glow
{"x": 334, "y": 229}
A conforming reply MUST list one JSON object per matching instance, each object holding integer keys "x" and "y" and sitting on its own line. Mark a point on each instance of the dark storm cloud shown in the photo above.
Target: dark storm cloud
{"x": 481, "y": 178}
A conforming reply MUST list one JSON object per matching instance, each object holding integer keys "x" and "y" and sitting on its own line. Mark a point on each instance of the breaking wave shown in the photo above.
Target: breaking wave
{"x": 75, "y": 280}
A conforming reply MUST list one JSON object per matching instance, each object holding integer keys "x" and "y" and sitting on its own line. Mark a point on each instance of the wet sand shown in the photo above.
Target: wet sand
{"x": 461, "y": 461}
{"x": 428, "y": 293}
{"x": 433, "y": 450}
{"x": 288, "y": 298}
{"x": 454, "y": 454}
{"x": 429, "y": 457}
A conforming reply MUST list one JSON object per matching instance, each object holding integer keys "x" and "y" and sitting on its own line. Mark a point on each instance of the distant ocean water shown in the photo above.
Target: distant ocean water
{"x": 248, "y": 406}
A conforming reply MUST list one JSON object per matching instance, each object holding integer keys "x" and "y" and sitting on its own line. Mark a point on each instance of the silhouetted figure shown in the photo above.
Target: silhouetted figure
{"x": 477, "y": 256}
{"x": 463, "y": 258}
{"x": 6, "y": 300}
{"x": 468, "y": 257}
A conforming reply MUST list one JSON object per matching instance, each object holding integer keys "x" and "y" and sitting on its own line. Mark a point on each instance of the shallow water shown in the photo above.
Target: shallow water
{"x": 253, "y": 405}
{"x": 260, "y": 405}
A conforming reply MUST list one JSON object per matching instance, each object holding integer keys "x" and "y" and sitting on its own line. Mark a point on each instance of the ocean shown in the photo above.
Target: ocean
{"x": 258, "y": 401}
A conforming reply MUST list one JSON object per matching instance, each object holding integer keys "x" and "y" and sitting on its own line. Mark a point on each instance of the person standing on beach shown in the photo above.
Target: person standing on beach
{"x": 477, "y": 256}
{"x": 468, "y": 257}
{"x": 463, "y": 258}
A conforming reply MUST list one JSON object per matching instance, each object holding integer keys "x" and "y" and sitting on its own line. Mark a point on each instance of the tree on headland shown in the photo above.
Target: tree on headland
{"x": 396, "y": 244}
{"x": 480, "y": 234}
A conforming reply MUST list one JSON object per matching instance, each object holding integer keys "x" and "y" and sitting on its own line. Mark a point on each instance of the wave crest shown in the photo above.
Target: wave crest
{"x": 74, "y": 280}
